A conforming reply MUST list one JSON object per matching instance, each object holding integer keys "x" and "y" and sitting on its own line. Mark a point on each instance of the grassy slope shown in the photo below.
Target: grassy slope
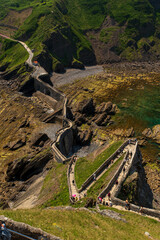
{"x": 13, "y": 54}
{"x": 86, "y": 166}
{"x": 101, "y": 183}
{"x": 55, "y": 187}
{"x": 87, "y": 225}
{"x": 49, "y": 16}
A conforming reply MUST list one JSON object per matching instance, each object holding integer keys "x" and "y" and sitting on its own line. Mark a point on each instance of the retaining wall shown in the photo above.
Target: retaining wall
{"x": 114, "y": 178}
{"x": 68, "y": 180}
{"x": 45, "y": 88}
{"x": 26, "y": 229}
{"x": 135, "y": 208}
{"x": 100, "y": 169}
{"x": 60, "y": 140}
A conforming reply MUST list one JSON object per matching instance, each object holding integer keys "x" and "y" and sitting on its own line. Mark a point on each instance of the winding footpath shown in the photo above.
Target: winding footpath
{"x": 127, "y": 148}
{"x": 130, "y": 148}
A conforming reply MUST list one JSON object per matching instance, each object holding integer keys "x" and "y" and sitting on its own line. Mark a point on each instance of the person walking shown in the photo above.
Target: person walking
{"x": 4, "y": 232}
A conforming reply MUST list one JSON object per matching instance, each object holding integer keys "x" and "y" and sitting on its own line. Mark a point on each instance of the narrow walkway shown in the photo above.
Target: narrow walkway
{"x": 73, "y": 187}
{"x": 123, "y": 174}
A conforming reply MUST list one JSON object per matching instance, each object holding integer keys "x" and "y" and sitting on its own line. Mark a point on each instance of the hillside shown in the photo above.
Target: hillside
{"x": 73, "y": 33}
{"x": 110, "y": 120}
{"x": 70, "y": 223}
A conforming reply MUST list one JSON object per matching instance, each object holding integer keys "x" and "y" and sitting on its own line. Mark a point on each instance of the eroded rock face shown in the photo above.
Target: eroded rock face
{"x": 136, "y": 188}
{"x": 14, "y": 145}
{"x": 39, "y": 140}
{"x": 86, "y": 106}
{"x": 153, "y": 133}
{"x": 84, "y": 137}
{"x": 80, "y": 119}
{"x": 124, "y": 132}
{"x": 24, "y": 168}
{"x": 104, "y": 107}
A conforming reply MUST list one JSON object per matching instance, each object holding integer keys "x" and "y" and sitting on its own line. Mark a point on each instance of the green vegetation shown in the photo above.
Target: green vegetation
{"x": 136, "y": 20}
{"x": 107, "y": 34}
{"x": 87, "y": 14}
{"x": 101, "y": 183}
{"x": 13, "y": 54}
{"x": 56, "y": 186}
{"x": 86, "y": 166}
{"x": 86, "y": 224}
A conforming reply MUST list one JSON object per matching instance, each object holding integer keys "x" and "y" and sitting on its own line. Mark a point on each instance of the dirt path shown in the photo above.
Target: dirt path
{"x": 59, "y": 79}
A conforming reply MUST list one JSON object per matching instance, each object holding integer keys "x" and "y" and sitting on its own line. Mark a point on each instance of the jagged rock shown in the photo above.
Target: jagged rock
{"x": 114, "y": 109}
{"x": 39, "y": 139}
{"x": 24, "y": 168}
{"x": 17, "y": 143}
{"x": 13, "y": 119}
{"x": 98, "y": 119}
{"x": 153, "y": 133}
{"x": 25, "y": 123}
{"x": 106, "y": 121}
{"x": 147, "y": 132}
{"x": 86, "y": 106}
{"x": 84, "y": 137}
{"x": 104, "y": 107}
{"x": 142, "y": 142}
{"x": 124, "y": 133}
{"x": 79, "y": 119}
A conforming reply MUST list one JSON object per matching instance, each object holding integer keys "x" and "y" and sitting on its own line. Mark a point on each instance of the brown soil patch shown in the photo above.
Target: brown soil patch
{"x": 14, "y": 20}
{"x": 104, "y": 51}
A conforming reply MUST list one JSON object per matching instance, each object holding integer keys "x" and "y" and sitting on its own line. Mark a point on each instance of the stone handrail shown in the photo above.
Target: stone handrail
{"x": 135, "y": 208}
{"x": 99, "y": 170}
{"x": 26, "y": 229}
{"x": 68, "y": 180}
{"x": 114, "y": 178}
{"x": 112, "y": 181}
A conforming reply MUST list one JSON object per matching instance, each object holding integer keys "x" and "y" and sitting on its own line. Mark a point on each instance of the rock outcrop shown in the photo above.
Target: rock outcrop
{"x": 24, "y": 168}
{"x": 153, "y": 133}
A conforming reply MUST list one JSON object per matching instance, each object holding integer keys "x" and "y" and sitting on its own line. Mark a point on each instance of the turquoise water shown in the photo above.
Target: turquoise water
{"x": 139, "y": 107}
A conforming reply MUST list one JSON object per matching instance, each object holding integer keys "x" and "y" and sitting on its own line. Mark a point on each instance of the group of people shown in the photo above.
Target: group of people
{"x": 4, "y": 232}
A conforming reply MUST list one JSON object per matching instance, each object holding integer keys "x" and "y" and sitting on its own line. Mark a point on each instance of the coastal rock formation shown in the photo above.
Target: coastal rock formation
{"x": 153, "y": 133}
{"x": 124, "y": 132}
{"x": 84, "y": 137}
{"x": 86, "y": 106}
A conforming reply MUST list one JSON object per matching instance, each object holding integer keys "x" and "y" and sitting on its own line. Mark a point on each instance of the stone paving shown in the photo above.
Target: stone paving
{"x": 73, "y": 187}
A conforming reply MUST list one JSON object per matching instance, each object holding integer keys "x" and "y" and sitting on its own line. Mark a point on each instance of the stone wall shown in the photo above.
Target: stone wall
{"x": 114, "y": 178}
{"x": 101, "y": 168}
{"x": 26, "y": 230}
{"x": 45, "y": 88}
{"x": 64, "y": 142}
{"x": 147, "y": 211}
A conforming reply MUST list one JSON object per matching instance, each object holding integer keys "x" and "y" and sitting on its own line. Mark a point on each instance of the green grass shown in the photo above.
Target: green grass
{"x": 87, "y": 14}
{"x": 56, "y": 186}
{"x": 107, "y": 34}
{"x": 86, "y": 166}
{"x": 101, "y": 183}
{"x": 13, "y": 54}
{"x": 77, "y": 225}
{"x": 70, "y": 18}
